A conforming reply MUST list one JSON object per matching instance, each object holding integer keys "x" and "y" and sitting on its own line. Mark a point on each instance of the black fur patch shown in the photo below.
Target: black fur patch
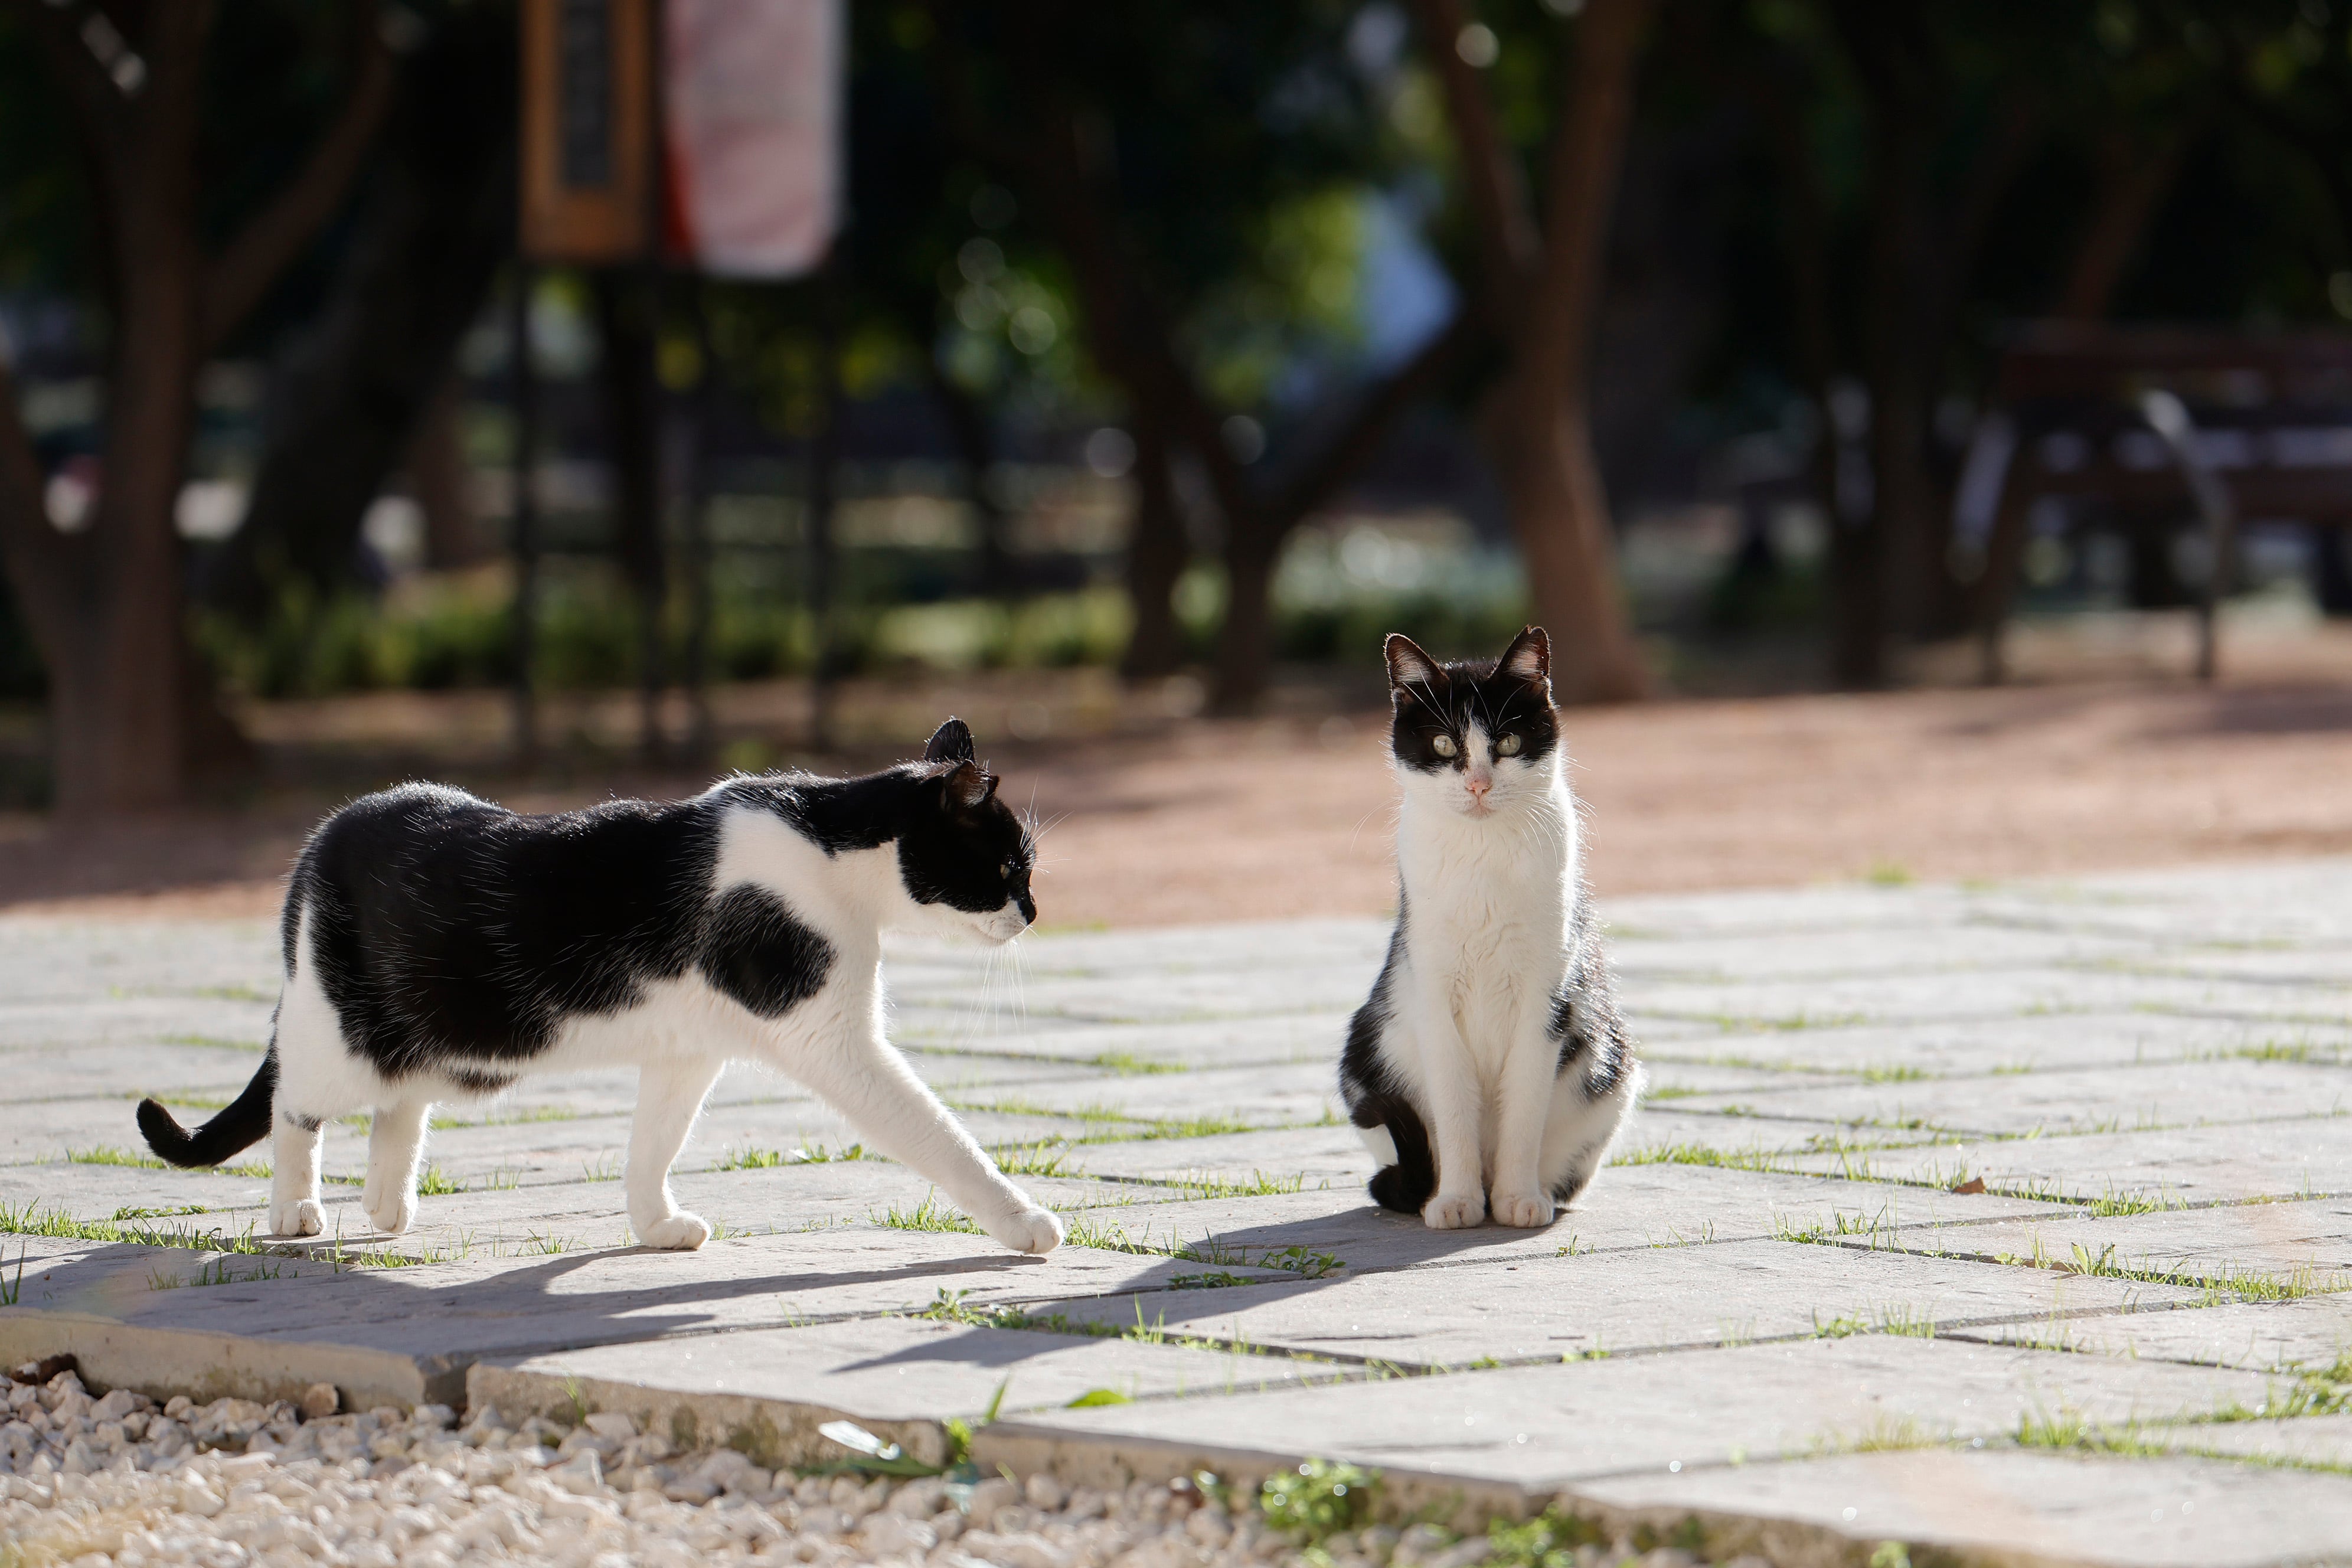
{"x": 1585, "y": 1016}
{"x": 756, "y": 952}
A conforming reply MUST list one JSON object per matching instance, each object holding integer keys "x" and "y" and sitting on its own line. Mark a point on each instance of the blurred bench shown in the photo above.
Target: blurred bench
{"x": 2228, "y": 424}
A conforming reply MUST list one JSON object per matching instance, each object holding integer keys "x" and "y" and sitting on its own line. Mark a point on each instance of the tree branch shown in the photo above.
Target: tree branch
{"x": 243, "y": 272}
{"x": 1369, "y": 421}
{"x": 1498, "y": 196}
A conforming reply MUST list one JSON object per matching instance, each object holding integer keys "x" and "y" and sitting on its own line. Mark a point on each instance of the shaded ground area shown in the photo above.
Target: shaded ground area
{"x": 1157, "y": 818}
{"x": 2014, "y": 1216}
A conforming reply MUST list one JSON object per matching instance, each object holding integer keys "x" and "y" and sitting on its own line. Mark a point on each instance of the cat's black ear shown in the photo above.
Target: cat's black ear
{"x": 1529, "y": 657}
{"x": 951, "y": 743}
{"x": 967, "y": 785}
{"x": 1408, "y": 665}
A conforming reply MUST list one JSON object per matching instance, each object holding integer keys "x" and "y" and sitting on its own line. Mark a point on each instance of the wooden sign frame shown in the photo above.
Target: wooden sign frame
{"x": 587, "y": 154}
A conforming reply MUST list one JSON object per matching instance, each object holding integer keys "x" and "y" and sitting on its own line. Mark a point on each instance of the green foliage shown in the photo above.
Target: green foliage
{"x": 1550, "y": 1540}
{"x": 930, "y": 1215}
{"x": 1318, "y": 1499}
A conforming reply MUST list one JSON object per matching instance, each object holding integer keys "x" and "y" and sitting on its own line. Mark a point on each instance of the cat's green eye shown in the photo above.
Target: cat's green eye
{"x": 1509, "y": 746}
{"x": 1005, "y": 869}
{"x": 1444, "y": 746}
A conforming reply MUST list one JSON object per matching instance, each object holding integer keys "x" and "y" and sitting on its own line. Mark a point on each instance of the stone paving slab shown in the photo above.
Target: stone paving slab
{"x": 176, "y": 1073}
{"x": 1869, "y": 950}
{"x": 1255, "y": 1096}
{"x": 1542, "y": 1430}
{"x": 2310, "y": 1333}
{"x": 2183, "y": 1165}
{"x": 1656, "y": 1130}
{"x": 437, "y": 1319}
{"x": 2308, "y": 1441}
{"x": 2305, "y": 1245}
{"x": 1311, "y": 1154}
{"x": 2038, "y": 1042}
{"x": 1673, "y": 1297}
{"x": 2022, "y": 1507}
{"x": 2096, "y": 1100}
{"x": 769, "y": 1389}
{"x": 1635, "y": 1207}
{"x": 1997, "y": 993}
{"x": 1225, "y": 1042}
{"x": 164, "y": 1020}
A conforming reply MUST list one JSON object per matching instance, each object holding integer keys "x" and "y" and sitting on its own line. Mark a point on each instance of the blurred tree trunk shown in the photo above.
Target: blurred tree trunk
{"x": 444, "y": 481}
{"x": 1157, "y": 551}
{"x": 130, "y": 716}
{"x": 625, "y": 374}
{"x": 350, "y": 397}
{"x": 1538, "y": 290}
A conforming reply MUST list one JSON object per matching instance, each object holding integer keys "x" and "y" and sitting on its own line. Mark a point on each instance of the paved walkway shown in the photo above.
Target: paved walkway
{"x": 2009, "y": 1218}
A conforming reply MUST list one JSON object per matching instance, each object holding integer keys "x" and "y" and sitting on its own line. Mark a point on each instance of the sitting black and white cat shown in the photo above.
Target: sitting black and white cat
{"x": 439, "y": 947}
{"x": 1488, "y": 1072}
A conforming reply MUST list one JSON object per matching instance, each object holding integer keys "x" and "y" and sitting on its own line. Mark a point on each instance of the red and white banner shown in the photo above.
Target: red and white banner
{"x": 753, "y": 94}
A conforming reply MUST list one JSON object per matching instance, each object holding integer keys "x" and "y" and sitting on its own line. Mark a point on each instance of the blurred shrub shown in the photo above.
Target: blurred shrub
{"x": 439, "y": 632}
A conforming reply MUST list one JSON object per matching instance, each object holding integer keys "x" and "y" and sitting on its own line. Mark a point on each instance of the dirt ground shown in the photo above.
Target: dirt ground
{"x": 1152, "y": 817}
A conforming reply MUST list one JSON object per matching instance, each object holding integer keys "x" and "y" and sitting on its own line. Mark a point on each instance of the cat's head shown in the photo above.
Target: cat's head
{"x": 963, "y": 856}
{"x": 1470, "y": 737}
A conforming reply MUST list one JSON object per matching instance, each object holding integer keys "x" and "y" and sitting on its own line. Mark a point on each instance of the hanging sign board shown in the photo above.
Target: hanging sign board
{"x": 752, "y": 92}
{"x": 587, "y": 130}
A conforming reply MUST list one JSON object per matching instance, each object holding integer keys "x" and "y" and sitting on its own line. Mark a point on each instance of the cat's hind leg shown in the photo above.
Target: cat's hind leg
{"x": 1588, "y": 1112}
{"x": 294, "y": 1206}
{"x": 669, "y": 1097}
{"x": 319, "y": 1080}
{"x": 396, "y": 1139}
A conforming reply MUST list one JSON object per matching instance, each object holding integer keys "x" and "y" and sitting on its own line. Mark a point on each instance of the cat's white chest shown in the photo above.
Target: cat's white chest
{"x": 1486, "y": 927}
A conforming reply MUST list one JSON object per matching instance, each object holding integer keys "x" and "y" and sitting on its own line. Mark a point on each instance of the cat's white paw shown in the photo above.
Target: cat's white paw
{"x": 681, "y": 1232}
{"x": 1526, "y": 1210}
{"x": 1032, "y": 1230}
{"x": 1442, "y": 1213}
{"x": 304, "y": 1218}
{"x": 391, "y": 1212}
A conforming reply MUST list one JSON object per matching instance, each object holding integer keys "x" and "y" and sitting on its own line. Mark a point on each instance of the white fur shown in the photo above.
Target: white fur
{"x": 1491, "y": 890}
{"x": 679, "y": 1038}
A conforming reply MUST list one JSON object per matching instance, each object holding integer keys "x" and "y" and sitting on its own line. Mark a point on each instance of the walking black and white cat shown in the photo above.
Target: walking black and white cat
{"x": 439, "y": 947}
{"x": 1488, "y": 1072}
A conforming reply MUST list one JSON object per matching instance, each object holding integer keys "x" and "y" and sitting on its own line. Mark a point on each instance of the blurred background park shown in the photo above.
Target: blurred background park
{"x": 1886, "y": 405}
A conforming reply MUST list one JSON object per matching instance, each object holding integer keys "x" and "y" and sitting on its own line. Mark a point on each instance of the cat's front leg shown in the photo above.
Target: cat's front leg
{"x": 858, "y": 1073}
{"x": 1525, "y": 1096}
{"x": 1450, "y": 1083}
{"x": 669, "y": 1097}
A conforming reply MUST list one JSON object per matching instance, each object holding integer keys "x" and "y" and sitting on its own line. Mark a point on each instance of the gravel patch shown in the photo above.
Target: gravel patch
{"x": 115, "y": 1481}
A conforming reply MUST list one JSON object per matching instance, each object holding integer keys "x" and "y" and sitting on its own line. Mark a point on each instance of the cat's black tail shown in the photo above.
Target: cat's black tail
{"x": 239, "y": 1126}
{"x": 1404, "y": 1186}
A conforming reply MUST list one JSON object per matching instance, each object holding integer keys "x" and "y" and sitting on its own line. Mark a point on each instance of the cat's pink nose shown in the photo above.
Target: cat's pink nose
{"x": 1479, "y": 783}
